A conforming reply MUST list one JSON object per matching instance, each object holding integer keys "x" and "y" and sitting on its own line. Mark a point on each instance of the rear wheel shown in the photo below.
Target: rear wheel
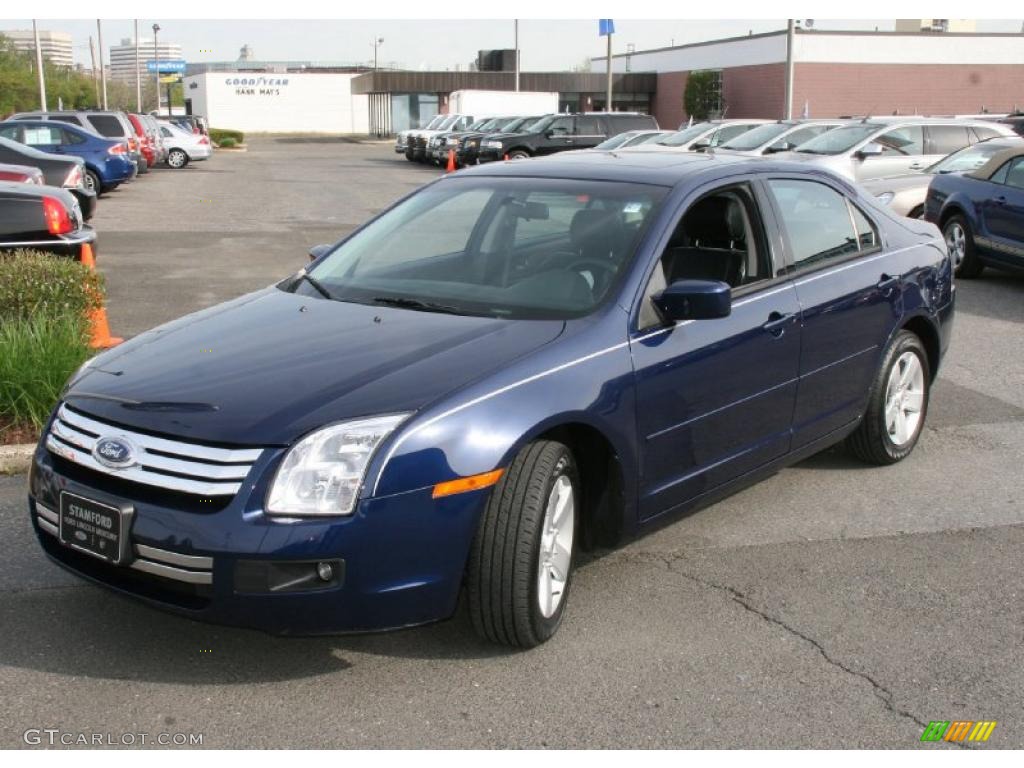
{"x": 177, "y": 158}
{"x": 960, "y": 243}
{"x": 897, "y": 405}
{"x": 92, "y": 181}
{"x": 520, "y": 567}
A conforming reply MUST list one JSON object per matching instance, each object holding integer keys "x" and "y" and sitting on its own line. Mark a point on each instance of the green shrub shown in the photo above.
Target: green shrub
{"x": 227, "y": 143}
{"x": 218, "y": 135}
{"x": 37, "y": 355}
{"x": 34, "y": 284}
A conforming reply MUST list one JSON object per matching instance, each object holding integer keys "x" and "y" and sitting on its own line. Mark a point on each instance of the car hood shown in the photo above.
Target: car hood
{"x": 897, "y": 183}
{"x": 271, "y": 366}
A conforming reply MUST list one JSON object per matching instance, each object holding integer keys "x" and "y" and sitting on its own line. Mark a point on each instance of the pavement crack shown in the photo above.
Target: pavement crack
{"x": 671, "y": 560}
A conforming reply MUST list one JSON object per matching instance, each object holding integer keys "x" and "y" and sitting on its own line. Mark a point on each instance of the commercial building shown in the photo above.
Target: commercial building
{"x": 122, "y": 57}
{"x": 55, "y": 46}
{"x": 840, "y": 73}
{"x": 321, "y": 97}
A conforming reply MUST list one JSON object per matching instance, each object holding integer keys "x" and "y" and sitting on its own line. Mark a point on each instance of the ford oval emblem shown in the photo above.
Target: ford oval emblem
{"x": 114, "y": 452}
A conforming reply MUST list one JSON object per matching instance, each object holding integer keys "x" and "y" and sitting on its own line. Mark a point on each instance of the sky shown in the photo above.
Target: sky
{"x": 429, "y": 44}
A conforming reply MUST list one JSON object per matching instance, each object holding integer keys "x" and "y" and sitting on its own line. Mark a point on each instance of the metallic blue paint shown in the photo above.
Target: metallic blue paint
{"x": 689, "y": 412}
{"x": 93, "y": 149}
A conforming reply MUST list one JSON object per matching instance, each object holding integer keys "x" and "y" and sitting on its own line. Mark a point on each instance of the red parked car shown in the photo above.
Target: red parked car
{"x": 146, "y": 146}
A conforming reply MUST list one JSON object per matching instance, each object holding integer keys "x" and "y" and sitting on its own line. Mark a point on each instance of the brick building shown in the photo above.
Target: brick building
{"x": 841, "y": 73}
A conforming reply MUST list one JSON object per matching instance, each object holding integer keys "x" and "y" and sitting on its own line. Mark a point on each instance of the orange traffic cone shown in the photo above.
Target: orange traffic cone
{"x": 451, "y": 161}
{"x": 99, "y": 329}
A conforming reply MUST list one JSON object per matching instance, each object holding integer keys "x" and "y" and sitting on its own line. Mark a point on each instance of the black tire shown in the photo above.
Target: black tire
{"x": 409, "y": 155}
{"x": 503, "y": 563}
{"x": 871, "y": 441}
{"x": 92, "y": 181}
{"x": 970, "y": 265}
{"x": 917, "y": 213}
{"x": 519, "y": 154}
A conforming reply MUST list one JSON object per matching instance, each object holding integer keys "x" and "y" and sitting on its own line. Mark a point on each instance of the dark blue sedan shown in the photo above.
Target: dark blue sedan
{"x": 108, "y": 162}
{"x": 981, "y": 212}
{"x": 511, "y": 363}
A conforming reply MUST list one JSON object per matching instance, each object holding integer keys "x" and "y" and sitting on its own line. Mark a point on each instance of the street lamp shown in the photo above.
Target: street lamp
{"x": 156, "y": 57}
{"x": 377, "y": 42}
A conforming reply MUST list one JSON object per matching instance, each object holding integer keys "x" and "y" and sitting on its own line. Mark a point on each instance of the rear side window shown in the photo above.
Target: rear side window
{"x": 588, "y": 126}
{"x": 1015, "y": 174}
{"x": 106, "y": 125}
{"x": 906, "y": 140}
{"x": 983, "y": 132}
{"x": 999, "y": 177}
{"x": 73, "y": 119}
{"x": 945, "y": 139}
{"x": 820, "y": 222}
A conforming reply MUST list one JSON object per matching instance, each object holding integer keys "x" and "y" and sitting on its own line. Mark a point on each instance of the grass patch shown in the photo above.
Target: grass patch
{"x": 218, "y": 135}
{"x": 37, "y": 355}
{"x": 227, "y": 143}
{"x": 34, "y": 283}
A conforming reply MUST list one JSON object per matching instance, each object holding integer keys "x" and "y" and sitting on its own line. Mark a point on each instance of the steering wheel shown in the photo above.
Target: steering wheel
{"x": 601, "y": 281}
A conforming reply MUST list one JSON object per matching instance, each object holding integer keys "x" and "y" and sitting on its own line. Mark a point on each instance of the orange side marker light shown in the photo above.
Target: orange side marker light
{"x": 464, "y": 484}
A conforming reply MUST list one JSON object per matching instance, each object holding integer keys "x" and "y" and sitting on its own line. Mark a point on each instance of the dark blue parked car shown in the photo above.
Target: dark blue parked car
{"x": 981, "y": 213}
{"x": 511, "y": 363}
{"x": 108, "y": 162}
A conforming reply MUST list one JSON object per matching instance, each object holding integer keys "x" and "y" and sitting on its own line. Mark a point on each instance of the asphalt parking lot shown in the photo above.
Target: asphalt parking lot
{"x": 832, "y": 605}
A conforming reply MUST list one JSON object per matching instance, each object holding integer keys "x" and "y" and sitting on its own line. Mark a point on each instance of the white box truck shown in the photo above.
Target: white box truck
{"x": 480, "y": 104}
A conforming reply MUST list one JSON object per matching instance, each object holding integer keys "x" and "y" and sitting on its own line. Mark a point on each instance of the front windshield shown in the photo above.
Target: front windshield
{"x": 757, "y": 137}
{"x": 538, "y": 125}
{"x": 448, "y": 122}
{"x": 968, "y": 158}
{"x": 838, "y": 139}
{"x": 497, "y": 247}
{"x": 686, "y": 135}
{"x": 435, "y": 121}
{"x": 518, "y": 124}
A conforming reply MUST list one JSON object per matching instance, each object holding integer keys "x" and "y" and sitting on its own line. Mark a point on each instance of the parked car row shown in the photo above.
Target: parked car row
{"x": 55, "y": 165}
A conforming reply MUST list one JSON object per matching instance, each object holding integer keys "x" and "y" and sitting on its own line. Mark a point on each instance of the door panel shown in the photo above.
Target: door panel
{"x": 715, "y": 398}
{"x": 1003, "y": 212}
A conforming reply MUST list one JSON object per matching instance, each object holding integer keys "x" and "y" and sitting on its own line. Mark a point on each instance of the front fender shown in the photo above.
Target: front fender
{"x": 586, "y": 377}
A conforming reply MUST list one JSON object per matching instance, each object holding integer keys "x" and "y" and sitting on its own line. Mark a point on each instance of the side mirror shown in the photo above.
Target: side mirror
{"x": 700, "y": 146}
{"x": 319, "y": 250}
{"x": 781, "y": 146}
{"x": 694, "y": 300}
{"x": 871, "y": 149}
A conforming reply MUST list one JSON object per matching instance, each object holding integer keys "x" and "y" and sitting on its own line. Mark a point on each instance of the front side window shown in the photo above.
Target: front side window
{"x": 562, "y": 126}
{"x": 524, "y": 248}
{"x": 41, "y": 135}
{"x": 819, "y": 222}
{"x": 10, "y": 132}
{"x": 904, "y": 141}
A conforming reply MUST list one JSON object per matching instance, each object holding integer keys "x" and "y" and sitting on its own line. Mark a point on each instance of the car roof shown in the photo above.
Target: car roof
{"x": 995, "y": 162}
{"x": 656, "y": 168}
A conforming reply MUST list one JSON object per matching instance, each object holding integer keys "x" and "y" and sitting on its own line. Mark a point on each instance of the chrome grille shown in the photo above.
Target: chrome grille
{"x": 178, "y": 466}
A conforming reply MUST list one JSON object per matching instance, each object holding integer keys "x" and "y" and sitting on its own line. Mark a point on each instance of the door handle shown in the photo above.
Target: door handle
{"x": 777, "y": 323}
{"x": 1001, "y": 200}
{"x": 888, "y": 282}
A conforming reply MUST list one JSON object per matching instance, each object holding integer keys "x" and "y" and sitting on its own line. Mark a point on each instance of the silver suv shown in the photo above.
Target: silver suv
{"x": 876, "y": 148}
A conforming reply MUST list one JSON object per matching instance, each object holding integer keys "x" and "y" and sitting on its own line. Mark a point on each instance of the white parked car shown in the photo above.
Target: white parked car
{"x": 783, "y": 136}
{"x": 183, "y": 146}
{"x": 701, "y": 136}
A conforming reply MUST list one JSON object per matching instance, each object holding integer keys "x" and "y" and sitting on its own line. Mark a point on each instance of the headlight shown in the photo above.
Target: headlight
{"x": 885, "y": 198}
{"x": 323, "y": 472}
{"x": 471, "y": 143}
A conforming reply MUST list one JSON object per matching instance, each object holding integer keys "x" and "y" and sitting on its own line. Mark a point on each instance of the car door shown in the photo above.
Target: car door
{"x": 902, "y": 148}
{"x": 849, "y": 304}
{"x": 559, "y": 136}
{"x": 1002, "y": 208}
{"x": 590, "y": 131}
{"x": 715, "y": 397}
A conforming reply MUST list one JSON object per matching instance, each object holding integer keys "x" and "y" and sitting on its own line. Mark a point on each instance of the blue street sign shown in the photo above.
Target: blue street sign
{"x": 167, "y": 65}
{"x": 606, "y": 27}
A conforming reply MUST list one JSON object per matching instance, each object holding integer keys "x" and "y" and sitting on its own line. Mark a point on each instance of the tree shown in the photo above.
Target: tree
{"x": 702, "y": 97}
{"x": 19, "y": 88}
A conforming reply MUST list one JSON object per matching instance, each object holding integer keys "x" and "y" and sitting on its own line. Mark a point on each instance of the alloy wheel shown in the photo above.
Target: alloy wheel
{"x": 956, "y": 242}
{"x": 904, "y": 399}
{"x": 556, "y": 546}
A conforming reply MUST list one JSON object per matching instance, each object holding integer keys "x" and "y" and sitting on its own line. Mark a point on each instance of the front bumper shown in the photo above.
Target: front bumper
{"x": 402, "y": 556}
{"x": 490, "y": 154}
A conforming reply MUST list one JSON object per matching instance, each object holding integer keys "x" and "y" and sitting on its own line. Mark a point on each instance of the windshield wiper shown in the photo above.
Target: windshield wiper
{"x": 418, "y": 304}
{"x": 303, "y": 275}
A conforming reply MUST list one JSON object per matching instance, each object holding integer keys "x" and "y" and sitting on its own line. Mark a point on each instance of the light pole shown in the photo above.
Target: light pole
{"x": 138, "y": 72}
{"x": 103, "y": 71}
{"x": 39, "y": 67}
{"x": 787, "y": 110}
{"x": 517, "y": 52}
{"x": 156, "y": 57}
{"x": 377, "y": 42}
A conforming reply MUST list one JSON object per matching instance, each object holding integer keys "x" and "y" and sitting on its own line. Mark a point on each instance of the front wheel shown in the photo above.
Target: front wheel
{"x": 177, "y": 158}
{"x": 897, "y": 405}
{"x": 520, "y": 567}
{"x": 960, "y": 244}
{"x": 518, "y": 154}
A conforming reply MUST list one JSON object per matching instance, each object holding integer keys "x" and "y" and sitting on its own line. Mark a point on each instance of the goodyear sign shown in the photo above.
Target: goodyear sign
{"x": 167, "y": 66}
